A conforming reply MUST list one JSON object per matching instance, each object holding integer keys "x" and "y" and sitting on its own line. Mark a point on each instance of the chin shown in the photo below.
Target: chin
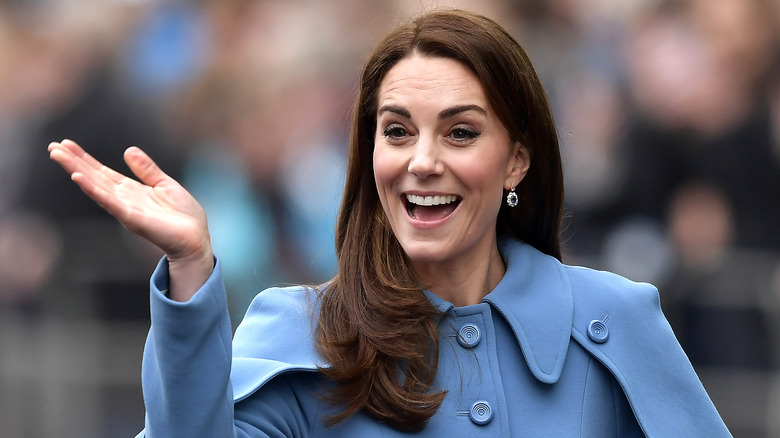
{"x": 424, "y": 252}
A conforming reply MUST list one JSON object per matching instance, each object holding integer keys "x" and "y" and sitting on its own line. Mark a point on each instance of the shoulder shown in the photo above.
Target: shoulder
{"x": 591, "y": 286}
{"x": 276, "y": 336}
{"x": 629, "y": 312}
{"x": 279, "y": 320}
{"x": 292, "y": 299}
{"x": 527, "y": 267}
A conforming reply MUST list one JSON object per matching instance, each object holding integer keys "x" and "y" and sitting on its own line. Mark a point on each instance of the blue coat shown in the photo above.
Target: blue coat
{"x": 553, "y": 351}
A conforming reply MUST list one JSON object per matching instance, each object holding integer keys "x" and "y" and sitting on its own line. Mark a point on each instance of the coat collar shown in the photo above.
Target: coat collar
{"x": 536, "y": 300}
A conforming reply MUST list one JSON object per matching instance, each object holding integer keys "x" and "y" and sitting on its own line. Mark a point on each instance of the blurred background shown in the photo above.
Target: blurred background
{"x": 669, "y": 115}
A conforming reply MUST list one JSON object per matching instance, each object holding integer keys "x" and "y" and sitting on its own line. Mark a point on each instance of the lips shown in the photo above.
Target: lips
{"x": 430, "y": 208}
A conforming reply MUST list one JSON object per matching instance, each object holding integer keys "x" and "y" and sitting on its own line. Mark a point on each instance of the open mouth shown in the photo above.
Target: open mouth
{"x": 431, "y": 208}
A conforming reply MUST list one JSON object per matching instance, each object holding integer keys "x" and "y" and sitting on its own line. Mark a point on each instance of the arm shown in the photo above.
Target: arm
{"x": 187, "y": 359}
{"x": 186, "y": 364}
{"x": 186, "y": 374}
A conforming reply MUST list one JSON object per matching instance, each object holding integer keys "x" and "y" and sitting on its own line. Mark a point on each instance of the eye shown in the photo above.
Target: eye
{"x": 395, "y": 132}
{"x": 462, "y": 134}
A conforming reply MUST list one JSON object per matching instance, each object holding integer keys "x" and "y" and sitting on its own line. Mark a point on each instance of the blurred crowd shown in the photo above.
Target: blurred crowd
{"x": 668, "y": 111}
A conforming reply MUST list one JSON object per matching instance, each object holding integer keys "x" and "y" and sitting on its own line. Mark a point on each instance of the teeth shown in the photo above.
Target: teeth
{"x": 427, "y": 201}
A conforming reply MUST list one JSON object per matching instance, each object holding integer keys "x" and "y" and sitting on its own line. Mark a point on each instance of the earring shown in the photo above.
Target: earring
{"x": 511, "y": 198}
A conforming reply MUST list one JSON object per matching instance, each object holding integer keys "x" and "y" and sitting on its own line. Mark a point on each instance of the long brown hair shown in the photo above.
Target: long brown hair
{"x": 377, "y": 330}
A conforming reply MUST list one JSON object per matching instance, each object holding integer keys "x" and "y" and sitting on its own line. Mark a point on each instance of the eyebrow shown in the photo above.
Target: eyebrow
{"x": 449, "y": 112}
{"x": 444, "y": 114}
{"x": 394, "y": 109}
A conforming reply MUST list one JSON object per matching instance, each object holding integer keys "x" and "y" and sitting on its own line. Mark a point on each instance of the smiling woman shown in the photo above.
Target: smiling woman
{"x": 451, "y": 314}
{"x": 437, "y": 138}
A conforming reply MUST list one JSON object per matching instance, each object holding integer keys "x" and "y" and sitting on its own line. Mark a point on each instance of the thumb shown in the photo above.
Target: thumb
{"x": 144, "y": 167}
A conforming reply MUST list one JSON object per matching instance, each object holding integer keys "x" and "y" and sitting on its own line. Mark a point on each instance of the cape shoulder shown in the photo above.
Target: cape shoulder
{"x": 621, "y": 324}
{"x": 275, "y": 336}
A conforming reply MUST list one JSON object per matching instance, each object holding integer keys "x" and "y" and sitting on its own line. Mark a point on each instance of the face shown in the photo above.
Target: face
{"x": 442, "y": 160}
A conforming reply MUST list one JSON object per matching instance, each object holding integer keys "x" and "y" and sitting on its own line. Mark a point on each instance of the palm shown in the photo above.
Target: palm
{"x": 156, "y": 208}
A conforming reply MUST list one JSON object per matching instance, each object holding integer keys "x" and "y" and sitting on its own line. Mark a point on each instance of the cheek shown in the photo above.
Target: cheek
{"x": 386, "y": 168}
{"x": 385, "y": 175}
{"x": 487, "y": 179}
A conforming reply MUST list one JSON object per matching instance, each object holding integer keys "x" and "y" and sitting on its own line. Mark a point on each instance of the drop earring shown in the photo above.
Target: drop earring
{"x": 511, "y": 198}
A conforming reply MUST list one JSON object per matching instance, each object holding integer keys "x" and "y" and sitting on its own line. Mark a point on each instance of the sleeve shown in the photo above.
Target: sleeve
{"x": 187, "y": 366}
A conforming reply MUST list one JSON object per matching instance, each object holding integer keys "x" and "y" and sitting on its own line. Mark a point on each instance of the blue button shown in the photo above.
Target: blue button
{"x": 598, "y": 331}
{"x": 469, "y": 336}
{"x": 481, "y": 412}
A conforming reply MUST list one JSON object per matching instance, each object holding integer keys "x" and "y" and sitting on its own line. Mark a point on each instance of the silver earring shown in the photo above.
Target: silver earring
{"x": 511, "y": 198}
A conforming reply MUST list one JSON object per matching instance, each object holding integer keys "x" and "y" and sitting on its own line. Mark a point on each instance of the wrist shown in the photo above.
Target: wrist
{"x": 189, "y": 273}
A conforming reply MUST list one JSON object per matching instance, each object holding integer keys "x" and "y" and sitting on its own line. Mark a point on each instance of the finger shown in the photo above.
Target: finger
{"x": 144, "y": 167}
{"x": 106, "y": 199}
{"x": 100, "y": 185}
{"x": 66, "y": 159}
{"x": 62, "y": 156}
{"x": 78, "y": 154}
{"x": 74, "y": 159}
{"x": 91, "y": 162}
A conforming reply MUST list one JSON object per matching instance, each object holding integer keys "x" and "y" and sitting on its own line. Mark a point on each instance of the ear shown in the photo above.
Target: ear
{"x": 518, "y": 165}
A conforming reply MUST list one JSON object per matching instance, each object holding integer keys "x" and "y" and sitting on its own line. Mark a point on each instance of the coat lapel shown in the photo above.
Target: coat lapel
{"x": 535, "y": 298}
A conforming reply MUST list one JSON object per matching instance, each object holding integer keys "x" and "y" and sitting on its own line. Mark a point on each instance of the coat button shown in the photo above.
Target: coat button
{"x": 481, "y": 412}
{"x": 598, "y": 331}
{"x": 469, "y": 336}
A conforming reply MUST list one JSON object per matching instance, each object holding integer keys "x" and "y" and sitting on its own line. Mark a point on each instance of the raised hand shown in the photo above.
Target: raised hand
{"x": 157, "y": 208}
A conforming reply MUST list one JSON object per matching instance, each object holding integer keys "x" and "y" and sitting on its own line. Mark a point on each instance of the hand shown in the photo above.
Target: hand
{"x": 157, "y": 208}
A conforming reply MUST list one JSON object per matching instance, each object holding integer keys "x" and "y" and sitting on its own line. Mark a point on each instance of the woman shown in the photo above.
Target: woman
{"x": 451, "y": 314}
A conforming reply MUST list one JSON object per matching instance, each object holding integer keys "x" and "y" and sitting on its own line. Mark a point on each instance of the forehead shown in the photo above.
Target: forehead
{"x": 419, "y": 78}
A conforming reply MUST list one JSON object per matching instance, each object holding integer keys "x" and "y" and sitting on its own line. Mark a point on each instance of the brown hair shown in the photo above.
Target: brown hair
{"x": 377, "y": 330}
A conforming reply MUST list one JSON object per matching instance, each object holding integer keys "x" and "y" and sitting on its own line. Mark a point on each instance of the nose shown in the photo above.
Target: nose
{"x": 425, "y": 160}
